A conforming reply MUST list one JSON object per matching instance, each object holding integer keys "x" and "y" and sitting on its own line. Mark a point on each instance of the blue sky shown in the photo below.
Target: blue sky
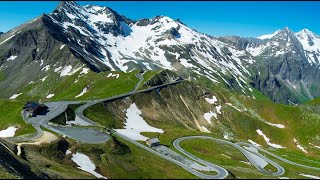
{"x": 248, "y": 19}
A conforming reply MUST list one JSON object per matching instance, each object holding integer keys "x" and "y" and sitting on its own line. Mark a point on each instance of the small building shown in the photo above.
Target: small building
{"x": 32, "y": 109}
{"x": 153, "y": 142}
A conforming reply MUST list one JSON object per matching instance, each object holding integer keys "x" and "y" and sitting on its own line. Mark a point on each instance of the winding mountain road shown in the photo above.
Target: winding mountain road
{"x": 247, "y": 154}
{"x": 93, "y": 136}
{"x": 222, "y": 173}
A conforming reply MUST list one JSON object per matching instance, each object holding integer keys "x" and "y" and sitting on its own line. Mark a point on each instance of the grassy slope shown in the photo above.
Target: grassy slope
{"x": 66, "y": 88}
{"x": 136, "y": 164}
{"x": 245, "y": 124}
{"x": 224, "y": 155}
{"x": 11, "y": 116}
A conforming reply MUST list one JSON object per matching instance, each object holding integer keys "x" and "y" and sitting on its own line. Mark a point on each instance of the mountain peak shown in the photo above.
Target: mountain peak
{"x": 307, "y": 33}
{"x": 286, "y": 30}
{"x": 67, "y": 4}
{"x": 268, "y": 36}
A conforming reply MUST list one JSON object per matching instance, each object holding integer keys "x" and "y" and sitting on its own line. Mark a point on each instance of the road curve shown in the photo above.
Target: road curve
{"x": 222, "y": 173}
{"x": 278, "y": 157}
{"x": 280, "y": 170}
{"x": 79, "y": 110}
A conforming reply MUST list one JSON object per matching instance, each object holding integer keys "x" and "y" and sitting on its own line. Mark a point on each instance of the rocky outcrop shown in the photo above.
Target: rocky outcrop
{"x": 163, "y": 77}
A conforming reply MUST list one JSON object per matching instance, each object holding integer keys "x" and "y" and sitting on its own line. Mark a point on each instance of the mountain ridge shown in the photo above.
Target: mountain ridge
{"x": 103, "y": 40}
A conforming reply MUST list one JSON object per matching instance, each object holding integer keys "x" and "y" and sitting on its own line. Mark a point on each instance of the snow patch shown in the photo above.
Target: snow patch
{"x": 135, "y": 124}
{"x": 276, "y": 125}
{"x": 43, "y": 79}
{"x": 211, "y": 101}
{"x": 226, "y": 136}
{"x": 113, "y": 75}
{"x": 62, "y": 46}
{"x": 84, "y": 71}
{"x": 57, "y": 69}
{"x": 209, "y": 115}
{"x": 268, "y": 36}
{"x": 299, "y": 146}
{"x": 204, "y": 129}
{"x": 50, "y": 96}
{"x": 82, "y": 93}
{"x": 86, "y": 164}
{"x": 46, "y": 68}
{"x": 268, "y": 140}
{"x": 218, "y": 109}
{"x": 11, "y": 58}
{"x": 9, "y": 132}
{"x": 68, "y": 152}
{"x": 65, "y": 71}
{"x": 15, "y": 96}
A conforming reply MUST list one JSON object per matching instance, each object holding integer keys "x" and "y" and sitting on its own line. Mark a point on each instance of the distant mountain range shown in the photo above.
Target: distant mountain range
{"x": 283, "y": 65}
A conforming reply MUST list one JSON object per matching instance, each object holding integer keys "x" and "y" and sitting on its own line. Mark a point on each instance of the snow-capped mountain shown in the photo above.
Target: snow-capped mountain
{"x": 289, "y": 61}
{"x": 123, "y": 44}
{"x": 268, "y": 36}
{"x": 311, "y": 45}
{"x": 285, "y": 39}
{"x": 74, "y": 36}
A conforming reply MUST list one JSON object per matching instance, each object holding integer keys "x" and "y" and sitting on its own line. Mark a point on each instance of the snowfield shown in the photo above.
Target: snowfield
{"x": 268, "y": 140}
{"x": 86, "y": 164}
{"x": 15, "y": 96}
{"x": 9, "y": 132}
{"x": 135, "y": 124}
